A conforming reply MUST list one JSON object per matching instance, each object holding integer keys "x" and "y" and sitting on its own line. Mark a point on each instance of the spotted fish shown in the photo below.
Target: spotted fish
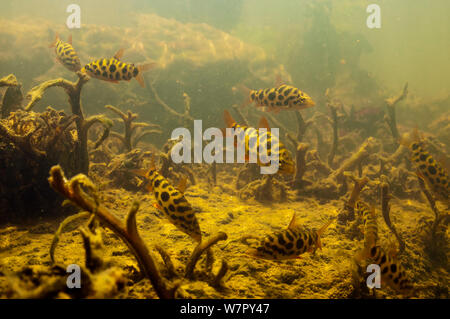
{"x": 281, "y": 97}
{"x": 253, "y": 138}
{"x": 370, "y": 223}
{"x": 289, "y": 243}
{"x": 392, "y": 272}
{"x": 172, "y": 204}
{"x": 113, "y": 70}
{"x": 65, "y": 54}
{"x": 435, "y": 176}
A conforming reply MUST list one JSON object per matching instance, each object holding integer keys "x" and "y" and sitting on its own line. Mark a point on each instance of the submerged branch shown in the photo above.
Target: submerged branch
{"x": 200, "y": 249}
{"x": 128, "y": 232}
{"x": 386, "y": 209}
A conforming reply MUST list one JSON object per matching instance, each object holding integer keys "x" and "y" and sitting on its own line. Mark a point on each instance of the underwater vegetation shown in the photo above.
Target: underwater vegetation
{"x": 89, "y": 180}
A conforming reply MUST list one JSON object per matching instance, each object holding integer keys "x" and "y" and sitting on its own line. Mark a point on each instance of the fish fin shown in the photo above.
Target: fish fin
{"x": 229, "y": 121}
{"x": 146, "y": 67}
{"x": 69, "y": 39}
{"x": 149, "y": 187}
{"x": 182, "y": 184}
{"x": 444, "y": 162}
{"x": 140, "y": 80}
{"x": 279, "y": 80}
{"x": 245, "y": 91}
{"x": 140, "y": 172}
{"x": 420, "y": 175}
{"x": 320, "y": 233}
{"x": 392, "y": 251}
{"x": 119, "y": 54}
{"x": 252, "y": 252}
{"x": 157, "y": 206}
{"x": 263, "y": 123}
{"x": 293, "y": 223}
{"x": 373, "y": 210}
{"x": 53, "y": 44}
{"x": 361, "y": 255}
{"x": 143, "y": 68}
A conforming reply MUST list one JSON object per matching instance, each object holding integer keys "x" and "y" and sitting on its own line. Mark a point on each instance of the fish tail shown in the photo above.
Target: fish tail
{"x": 144, "y": 68}
{"x": 244, "y": 91}
{"x": 229, "y": 121}
{"x": 53, "y": 44}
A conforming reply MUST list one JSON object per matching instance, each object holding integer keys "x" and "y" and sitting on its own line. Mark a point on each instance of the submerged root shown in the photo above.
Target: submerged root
{"x": 267, "y": 189}
{"x": 131, "y": 136}
{"x": 127, "y": 231}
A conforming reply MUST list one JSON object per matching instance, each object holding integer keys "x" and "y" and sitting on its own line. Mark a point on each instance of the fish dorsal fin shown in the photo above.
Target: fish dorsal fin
{"x": 323, "y": 228}
{"x": 69, "y": 39}
{"x": 392, "y": 251}
{"x": 140, "y": 172}
{"x": 229, "y": 121}
{"x": 263, "y": 123}
{"x": 279, "y": 81}
{"x": 293, "y": 224}
{"x": 443, "y": 161}
{"x": 372, "y": 210}
{"x": 53, "y": 44}
{"x": 152, "y": 163}
{"x": 182, "y": 184}
{"x": 119, "y": 54}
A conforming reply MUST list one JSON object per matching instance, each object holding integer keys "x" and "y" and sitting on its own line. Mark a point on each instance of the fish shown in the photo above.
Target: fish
{"x": 276, "y": 99}
{"x": 289, "y": 243}
{"x": 368, "y": 216}
{"x": 171, "y": 202}
{"x": 428, "y": 169}
{"x": 113, "y": 70}
{"x": 66, "y": 54}
{"x": 392, "y": 272}
{"x": 253, "y": 139}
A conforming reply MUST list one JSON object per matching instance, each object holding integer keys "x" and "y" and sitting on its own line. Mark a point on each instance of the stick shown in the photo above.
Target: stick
{"x": 386, "y": 209}
{"x": 391, "y": 116}
{"x": 200, "y": 249}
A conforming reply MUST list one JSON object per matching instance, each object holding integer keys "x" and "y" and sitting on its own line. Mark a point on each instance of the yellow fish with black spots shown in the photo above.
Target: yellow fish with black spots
{"x": 289, "y": 243}
{"x": 253, "y": 139}
{"x": 428, "y": 169}
{"x": 113, "y": 70}
{"x": 66, "y": 54}
{"x": 370, "y": 223}
{"x": 276, "y": 99}
{"x": 172, "y": 203}
{"x": 392, "y": 272}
